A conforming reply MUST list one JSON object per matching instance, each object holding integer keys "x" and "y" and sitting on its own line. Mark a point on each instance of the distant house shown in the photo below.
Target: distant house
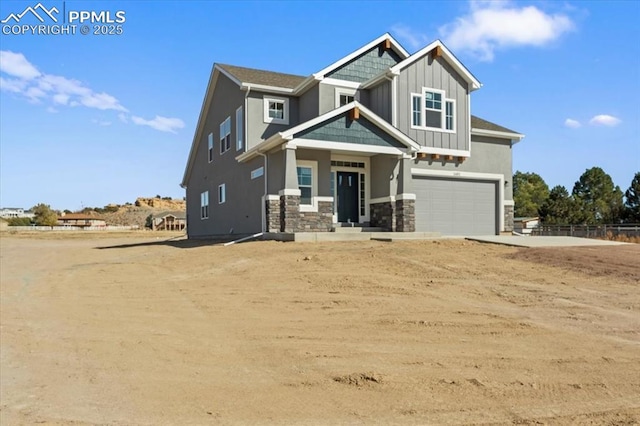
{"x": 80, "y": 220}
{"x": 379, "y": 138}
{"x": 169, "y": 221}
{"x": 525, "y": 225}
{"x": 13, "y": 212}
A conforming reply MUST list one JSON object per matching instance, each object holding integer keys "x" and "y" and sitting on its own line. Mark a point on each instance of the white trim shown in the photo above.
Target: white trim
{"x": 405, "y": 196}
{"x": 394, "y": 44}
{"x": 344, "y": 91}
{"x": 324, "y": 199}
{"x": 366, "y": 171}
{"x": 272, "y": 197}
{"x": 341, "y": 83}
{"x": 313, "y": 165}
{"x": 289, "y": 191}
{"x": 424, "y": 109}
{"x": 227, "y": 74}
{"x": 445, "y": 151}
{"x": 452, "y": 174}
{"x": 508, "y": 135}
{"x": 343, "y": 146}
{"x": 389, "y": 199}
{"x": 285, "y": 110}
{"x": 227, "y": 134}
{"x": 447, "y": 55}
{"x": 265, "y": 88}
{"x": 509, "y": 203}
{"x": 204, "y": 202}
{"x": 394, "y": 101}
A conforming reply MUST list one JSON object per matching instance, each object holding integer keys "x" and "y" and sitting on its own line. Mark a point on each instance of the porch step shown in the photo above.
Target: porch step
{"x": 356, "y": 229}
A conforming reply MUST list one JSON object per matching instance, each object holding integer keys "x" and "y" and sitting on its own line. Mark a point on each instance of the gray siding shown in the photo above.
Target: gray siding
{"x": 436, "y": 74}
{"x": 384, "y": 175}
{"x": 242, "y": 209}
{"x": 324, "y": 168}
{"x": 488, "y": 155}
{"x": 258, "y": 130}
{"x": 309, "y": 103}
{"x": 366, "y": 66}
{"x": 327, "y": 100}
{"x": 379, "y": 100}
{"x": 343, "y": 129}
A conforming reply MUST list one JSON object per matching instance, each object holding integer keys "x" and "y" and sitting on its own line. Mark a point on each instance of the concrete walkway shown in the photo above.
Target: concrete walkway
{"x": 543, "y": 241}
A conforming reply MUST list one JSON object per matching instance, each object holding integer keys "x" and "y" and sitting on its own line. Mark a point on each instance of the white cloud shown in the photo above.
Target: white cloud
{"x": 490, "y": 26}
{"x": 16, "y": 65}
{"x": 412, "y": 38}
{"x": 12, "y": 85}
{"x": 24, "y": 79}
{"x": 574, "y": 124}
{"x": 163, "y": 124}
{"x": 102, "y": 123}
{"x": 605, "y": 120}
{"x": 52, "y": 110}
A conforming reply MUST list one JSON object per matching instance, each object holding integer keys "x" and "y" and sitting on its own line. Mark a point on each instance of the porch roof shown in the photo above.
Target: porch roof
{"x": 404, "y": 143}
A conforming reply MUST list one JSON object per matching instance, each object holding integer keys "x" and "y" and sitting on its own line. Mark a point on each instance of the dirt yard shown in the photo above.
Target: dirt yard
{"x": 136, "y": 330}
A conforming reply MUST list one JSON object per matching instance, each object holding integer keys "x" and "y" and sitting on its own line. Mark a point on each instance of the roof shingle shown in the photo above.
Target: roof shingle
{"x": 479, "y": 123}
{"x": 267, "y": 78}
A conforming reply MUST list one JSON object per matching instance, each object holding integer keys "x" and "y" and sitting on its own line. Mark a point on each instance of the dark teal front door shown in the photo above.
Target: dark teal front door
{"x": 348, "y": 197}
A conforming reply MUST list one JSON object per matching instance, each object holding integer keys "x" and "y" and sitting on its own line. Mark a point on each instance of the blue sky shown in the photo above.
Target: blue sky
{"x": 86, "y": 120}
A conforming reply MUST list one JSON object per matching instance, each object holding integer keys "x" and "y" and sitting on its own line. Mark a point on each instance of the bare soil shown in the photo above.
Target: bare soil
{"x": 132, "y": 329}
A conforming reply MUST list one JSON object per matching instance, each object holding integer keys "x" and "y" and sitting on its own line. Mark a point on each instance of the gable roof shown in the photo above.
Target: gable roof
{"x": 178, "y": 214}
{"x": 261, "y": 77}
{"x": 447, "y": 55}
{"x": 288, "y": 134}
{"x": 482, "y": 127}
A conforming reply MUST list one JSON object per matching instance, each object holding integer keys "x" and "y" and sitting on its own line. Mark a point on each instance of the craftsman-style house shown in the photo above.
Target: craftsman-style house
{"x": 380, "y": 138}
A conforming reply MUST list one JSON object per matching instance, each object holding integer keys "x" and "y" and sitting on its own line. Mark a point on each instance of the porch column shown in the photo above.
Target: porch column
{"x": 290, "y": 195}
{"x": 406, "y": 199}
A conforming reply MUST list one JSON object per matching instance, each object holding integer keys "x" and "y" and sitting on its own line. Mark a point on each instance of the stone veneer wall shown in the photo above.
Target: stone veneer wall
{"x": 320, "y": 221}
{"x": 508, "y": 218}
{"x": 289, "y": 213}
{"x": 383, "y": 215}
{"x": 405, "y": 215}
{"x": 273, "y": 215}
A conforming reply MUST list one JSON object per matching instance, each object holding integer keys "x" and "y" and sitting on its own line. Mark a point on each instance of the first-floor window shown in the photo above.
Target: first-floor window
{"x": 204, "y": 205}
{"x": 222, "y": 193}
{"x": 305, "y": 184}
{"x": 210, "y": 147}
{"x": 225, "y": 135}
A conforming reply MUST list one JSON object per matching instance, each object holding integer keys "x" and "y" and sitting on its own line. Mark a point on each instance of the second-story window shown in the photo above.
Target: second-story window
{"x": 210, "y": 147}
{"x": 276, "y": 110}
{"x": 431, "y": 110}
{"x": 225, "y": 135}
{"x": 239, "y": 130}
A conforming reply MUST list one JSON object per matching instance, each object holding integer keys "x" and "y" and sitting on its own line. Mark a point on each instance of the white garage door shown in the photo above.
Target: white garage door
{"x": 456, "y": 206}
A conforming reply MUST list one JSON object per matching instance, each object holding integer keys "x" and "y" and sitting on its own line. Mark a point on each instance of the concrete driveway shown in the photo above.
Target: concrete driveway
{"x": 543, "y": 241}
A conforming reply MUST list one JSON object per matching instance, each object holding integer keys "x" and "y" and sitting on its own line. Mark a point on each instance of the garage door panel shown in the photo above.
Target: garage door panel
{"x": 455, "y": 206}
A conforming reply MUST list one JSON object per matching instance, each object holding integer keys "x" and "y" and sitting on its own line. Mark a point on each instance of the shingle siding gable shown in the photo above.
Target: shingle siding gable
{"x": 366, "y": 66}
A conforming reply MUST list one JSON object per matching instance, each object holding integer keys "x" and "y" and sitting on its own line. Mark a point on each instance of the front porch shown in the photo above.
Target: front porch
{"x": 328, "y": 191}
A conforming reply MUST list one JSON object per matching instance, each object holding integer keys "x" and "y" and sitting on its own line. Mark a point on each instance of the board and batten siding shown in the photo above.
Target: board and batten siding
{"x": 379, "y": 100}
{"x": 435, "y": 74}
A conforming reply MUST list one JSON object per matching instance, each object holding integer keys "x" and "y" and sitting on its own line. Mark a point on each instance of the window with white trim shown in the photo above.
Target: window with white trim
{"x": 344, "y": 96}
{"x": 276, "y": 110}
{"x": 239, "y": 130}
{"x": 432, "y": 110}
{"x": 307, "y": 182}
{"x": 204, "y": 205}
{"x": 225, "y": 135}
{"x": 210, "y": 147}
{"x": 222, "y": 193}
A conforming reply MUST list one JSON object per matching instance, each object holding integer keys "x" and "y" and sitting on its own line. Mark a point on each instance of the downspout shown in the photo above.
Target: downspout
{"x": 264, "y": 197}
{"x": 263, "y": 212}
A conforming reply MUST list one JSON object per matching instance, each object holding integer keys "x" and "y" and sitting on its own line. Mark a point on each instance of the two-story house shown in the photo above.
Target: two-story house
{"x": 379, "y": 138}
